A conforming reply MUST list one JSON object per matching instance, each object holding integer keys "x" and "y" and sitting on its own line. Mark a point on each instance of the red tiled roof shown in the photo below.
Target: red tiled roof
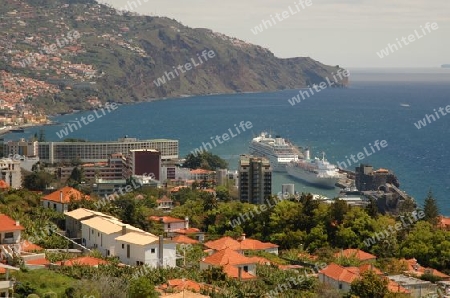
{"x": 179, "y": 285}
{"x": 184, "y": 239}
{"x": 252, "y": 244}
{"x": 367, "y": 267}
{"x": 227, "y": 257}
{"x": 394, "y": 287}
{"x": 68, "y": 193}
{"x": 27, "y": 246}
{"x": 355, "y": 253}
{"x": 349, "y": 274}
{"x": 246, "y": 244}
{"x": 340, "y": 273}
{"x": 166, "y": 219}
{"x": 7, "y": 224}
{"x": 223, "y": 243}
{"x": 187, "y": 231}
{"x": 415, "y": 268}
{"x": 83, "y": 261}
{"x": 41, "y": 261}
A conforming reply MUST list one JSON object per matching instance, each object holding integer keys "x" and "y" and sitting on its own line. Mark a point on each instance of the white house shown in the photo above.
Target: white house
{"x": 171, "y": 224}
{"x": 100, "y": 233}
{"x": 144, "y": 249}
{"x": 234, "y": 264}
{"x": 132, "y": 245}
{"x": 74, "y": 218}
{"x": 59, "y": 200}
{"x": 10, "y": 230}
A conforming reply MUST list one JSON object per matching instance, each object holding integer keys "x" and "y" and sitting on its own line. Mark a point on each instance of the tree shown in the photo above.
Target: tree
{"x": 431, "y": 209}
{"x": 76, "y": 177}
{"x": 142, "y": 287}
{"x": 37, "y": 180}
{"x": 223, "y": 193}
{"x": 204, "y": 160}
{"x": 369, "y": 285}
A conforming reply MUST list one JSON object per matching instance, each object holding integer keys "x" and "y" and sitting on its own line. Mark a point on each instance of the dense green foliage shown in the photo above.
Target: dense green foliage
{"x": 370, "y": 285}
{"x": 300, "y": 226}
{"x": 205, "y": 160}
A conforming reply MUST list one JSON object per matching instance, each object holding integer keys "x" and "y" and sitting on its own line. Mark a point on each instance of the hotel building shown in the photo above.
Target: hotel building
{"x": 54, "y": 152}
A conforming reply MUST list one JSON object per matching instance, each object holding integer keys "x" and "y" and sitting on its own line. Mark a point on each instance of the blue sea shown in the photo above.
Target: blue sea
{"x": 380, "y": 104}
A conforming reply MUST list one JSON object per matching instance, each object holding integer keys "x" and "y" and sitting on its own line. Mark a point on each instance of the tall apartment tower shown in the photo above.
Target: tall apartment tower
{"x": 255, "y": 179}
{"x": 144, "y": 162}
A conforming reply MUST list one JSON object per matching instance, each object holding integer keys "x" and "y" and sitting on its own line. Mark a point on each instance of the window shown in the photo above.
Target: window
{"x": 152, "y": 250}
{"x": 139, "y": 263}
{"x": 98, "y": 234}
{"x": 107, "y": 252}
{"x": 9, "y": 235}
{"x": 128, "y": 251}
{"x": 54, "y": 206}
{"x": 246, "y": 268}
{"x": 340, "y": 286}
{"x": 123, "y": 246}
{"x": 168, "y": 226}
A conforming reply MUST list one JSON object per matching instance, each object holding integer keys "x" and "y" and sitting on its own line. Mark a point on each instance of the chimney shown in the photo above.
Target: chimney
{"x": 186, "y": 222}
{"x": 243, "y": 236}
{"x": 161, "y": 252}
{"x": 17, "y": 223}
{"x": 60, "y": 196}
{"x": 124, "y": 229}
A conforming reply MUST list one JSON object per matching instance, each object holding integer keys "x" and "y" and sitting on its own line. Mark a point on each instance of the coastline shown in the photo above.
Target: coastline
{"x": 9, "y": 129}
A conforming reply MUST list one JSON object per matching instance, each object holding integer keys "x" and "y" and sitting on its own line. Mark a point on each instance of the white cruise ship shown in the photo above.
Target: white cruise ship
{"x": 314, "y": 171}
{"x": 277, "y": 150}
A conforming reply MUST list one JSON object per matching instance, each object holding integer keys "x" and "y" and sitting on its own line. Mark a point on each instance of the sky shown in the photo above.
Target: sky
{"x": 349, "y": 33}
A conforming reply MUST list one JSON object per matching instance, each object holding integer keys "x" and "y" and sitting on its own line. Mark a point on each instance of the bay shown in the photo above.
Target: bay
{"x": 378, "y": 105}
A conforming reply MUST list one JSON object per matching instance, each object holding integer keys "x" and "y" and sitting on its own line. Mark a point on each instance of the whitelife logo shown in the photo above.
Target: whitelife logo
{"x": 306, "y": 93}
{"x": 423, "y": 122}
{"x": 391, "y": 48}
{"x": 90, "y": 118}
{"x": 225, "y": 137}
{"x": 187, "y": 66}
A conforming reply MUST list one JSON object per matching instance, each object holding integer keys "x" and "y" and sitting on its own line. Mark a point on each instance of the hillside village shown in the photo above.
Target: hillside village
{"x": 97, "y": 240}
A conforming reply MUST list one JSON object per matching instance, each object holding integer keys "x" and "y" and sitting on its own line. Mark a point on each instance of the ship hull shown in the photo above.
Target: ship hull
{"x": 311, "y": 177}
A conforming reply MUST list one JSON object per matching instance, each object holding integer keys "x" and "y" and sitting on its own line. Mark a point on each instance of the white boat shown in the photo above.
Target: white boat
{"x": 315, "y": 171}
{"x": 277, "y": 150}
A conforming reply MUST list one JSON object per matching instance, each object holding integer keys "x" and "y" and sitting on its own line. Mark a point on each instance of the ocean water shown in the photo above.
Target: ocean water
{"x": 378, "y": 105}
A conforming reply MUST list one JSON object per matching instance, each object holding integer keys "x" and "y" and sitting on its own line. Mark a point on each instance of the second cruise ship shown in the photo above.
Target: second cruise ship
{"x": 278, "y": 151}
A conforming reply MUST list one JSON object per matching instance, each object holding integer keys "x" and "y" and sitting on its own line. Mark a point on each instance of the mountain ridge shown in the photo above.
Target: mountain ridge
{"x": 119, "y": 55}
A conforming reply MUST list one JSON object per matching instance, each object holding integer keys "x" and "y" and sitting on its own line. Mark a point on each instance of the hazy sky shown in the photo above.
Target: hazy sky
{"x": 344, "y": 32}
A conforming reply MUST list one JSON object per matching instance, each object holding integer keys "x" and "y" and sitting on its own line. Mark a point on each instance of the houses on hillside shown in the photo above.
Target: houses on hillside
{"x": 59, "y": 200}
{"x": 111, "y": 237}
